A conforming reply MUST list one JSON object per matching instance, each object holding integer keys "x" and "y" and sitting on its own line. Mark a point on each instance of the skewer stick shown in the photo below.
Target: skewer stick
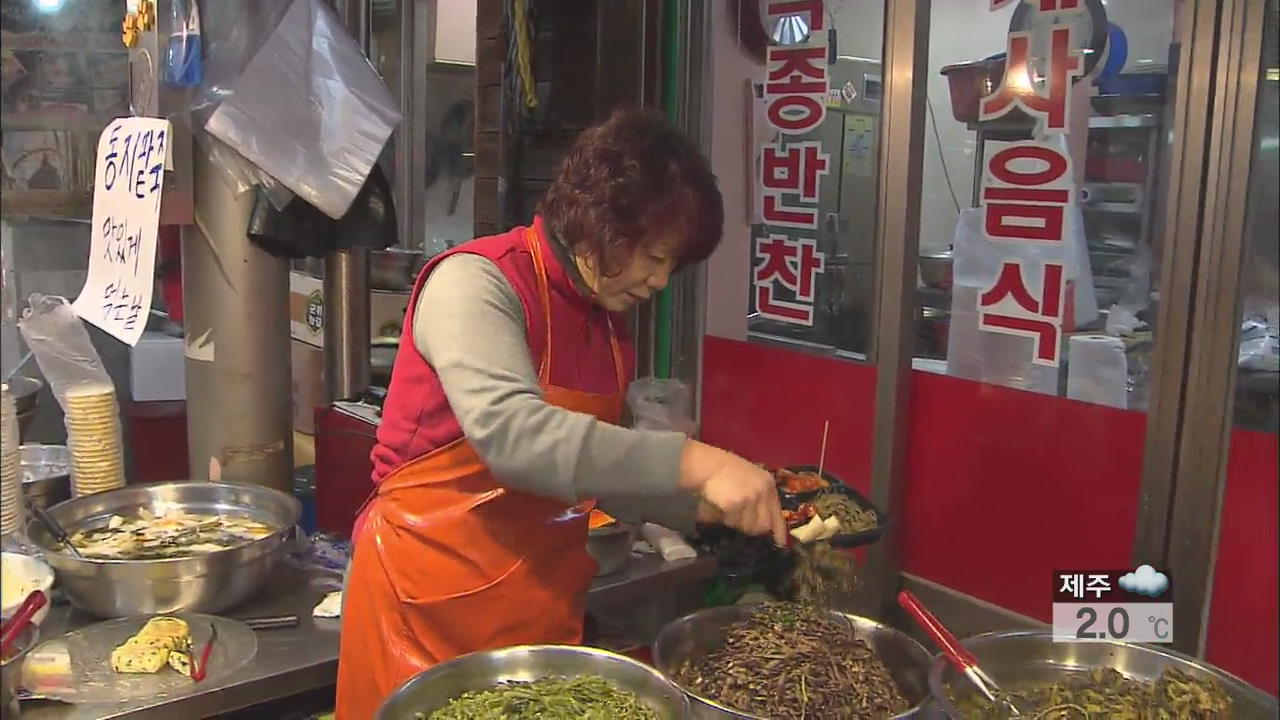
{"x": 822, "y": 458}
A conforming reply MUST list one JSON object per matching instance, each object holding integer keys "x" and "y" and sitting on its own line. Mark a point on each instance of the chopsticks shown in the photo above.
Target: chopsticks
{"x": 822, "y": 457}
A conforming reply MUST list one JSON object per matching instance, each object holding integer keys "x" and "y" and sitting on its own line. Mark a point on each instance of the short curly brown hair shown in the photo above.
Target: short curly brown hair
{"x": 630, "y": 181}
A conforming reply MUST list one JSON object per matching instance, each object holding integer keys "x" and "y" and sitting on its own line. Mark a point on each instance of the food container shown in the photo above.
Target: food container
{"x": 935, "y": 269}
{"x": 11, "y": 671}
{"x": 22, "y": 574}
{"x": 46, "y": 474}
{"x": 208, "y": 583}
{"x": 843, "y": 540}
{"x": 434, "y": 688}
{"x": 703, "y": 631}
{"x": 611, "y": 547}
{"x": 1019, "y": 658}
{"x": 970, "y": 82}
{"x": 395, "y": 268}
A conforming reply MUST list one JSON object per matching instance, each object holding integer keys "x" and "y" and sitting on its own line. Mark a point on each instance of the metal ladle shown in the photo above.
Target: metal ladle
{"x": 54, "y": 528}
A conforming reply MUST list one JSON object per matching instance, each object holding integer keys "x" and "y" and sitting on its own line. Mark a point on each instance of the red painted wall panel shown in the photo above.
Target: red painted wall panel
{"x": 769, "y": 405}
{"x": 1033, "y": 482}
{"x": 1244, "y": 629}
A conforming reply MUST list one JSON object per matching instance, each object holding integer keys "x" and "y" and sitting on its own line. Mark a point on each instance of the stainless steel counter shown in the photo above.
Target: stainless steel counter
{"x": 297, "y": 660}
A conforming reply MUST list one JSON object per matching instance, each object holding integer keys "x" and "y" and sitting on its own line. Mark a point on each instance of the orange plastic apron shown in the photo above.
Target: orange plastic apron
{"x": 450, "y": 562}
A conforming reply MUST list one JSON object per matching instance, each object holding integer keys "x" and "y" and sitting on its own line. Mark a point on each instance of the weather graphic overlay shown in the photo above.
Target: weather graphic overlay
{"x": 1103, "y": 605}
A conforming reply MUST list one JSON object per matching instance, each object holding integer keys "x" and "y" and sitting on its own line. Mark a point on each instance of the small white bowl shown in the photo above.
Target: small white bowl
{"x": 21, "y": 575}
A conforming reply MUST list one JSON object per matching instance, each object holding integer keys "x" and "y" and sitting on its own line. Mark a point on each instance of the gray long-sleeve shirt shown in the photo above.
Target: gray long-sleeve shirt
{"x": 469, "y": 325}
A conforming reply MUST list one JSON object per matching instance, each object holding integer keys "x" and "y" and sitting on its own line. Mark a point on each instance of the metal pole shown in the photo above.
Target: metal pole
{"x": 346, "y": 324}
{"x": 906, "y": 56}
{"x": 236, "y": 297}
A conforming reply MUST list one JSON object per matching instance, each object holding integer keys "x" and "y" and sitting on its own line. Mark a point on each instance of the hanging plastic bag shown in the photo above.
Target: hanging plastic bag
{"x": 309, "y": 110}
{"x": 658, "y": 404}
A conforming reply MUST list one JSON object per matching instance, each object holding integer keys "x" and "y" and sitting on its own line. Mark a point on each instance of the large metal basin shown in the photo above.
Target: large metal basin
{"x": 1021, "y": 658}
{"x": 208, "y": 583}
{"x": 434, "y": 688}
{"x": 703, "y": 631}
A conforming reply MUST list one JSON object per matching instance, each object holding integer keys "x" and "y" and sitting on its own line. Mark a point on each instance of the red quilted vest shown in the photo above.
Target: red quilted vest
{"x": 416, "y": 417}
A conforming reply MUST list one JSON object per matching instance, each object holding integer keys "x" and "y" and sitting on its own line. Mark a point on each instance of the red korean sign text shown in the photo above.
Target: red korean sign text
{"x": 787, "y": 261}
{"x": 1025, "y": 194}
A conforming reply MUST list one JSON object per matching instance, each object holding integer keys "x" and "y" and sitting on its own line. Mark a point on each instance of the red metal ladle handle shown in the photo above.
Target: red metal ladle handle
{"x": 27, "y": 610}
{"x": 942, "y": 637}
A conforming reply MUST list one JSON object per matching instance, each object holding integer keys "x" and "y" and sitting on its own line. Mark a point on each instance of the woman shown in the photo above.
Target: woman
{"x": 499, "y": 420}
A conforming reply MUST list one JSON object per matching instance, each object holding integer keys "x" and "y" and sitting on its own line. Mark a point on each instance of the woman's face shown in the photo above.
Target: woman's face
{"x": 646, "y": 272}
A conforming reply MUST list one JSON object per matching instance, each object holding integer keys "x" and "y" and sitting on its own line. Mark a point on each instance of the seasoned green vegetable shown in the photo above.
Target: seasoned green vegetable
{"x": 853, "y": 517}
{"x": 588, "y": 697}
{"x": 1105, "y": 694}
{"x": 792, "y": 661}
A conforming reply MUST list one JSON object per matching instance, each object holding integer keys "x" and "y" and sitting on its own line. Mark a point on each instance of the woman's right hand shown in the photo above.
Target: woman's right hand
{"x": 744, "y": 494}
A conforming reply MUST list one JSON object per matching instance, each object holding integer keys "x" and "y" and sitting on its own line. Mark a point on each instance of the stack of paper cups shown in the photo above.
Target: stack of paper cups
{"x": 11, "y": 510}
{"x": 93, "y": 437}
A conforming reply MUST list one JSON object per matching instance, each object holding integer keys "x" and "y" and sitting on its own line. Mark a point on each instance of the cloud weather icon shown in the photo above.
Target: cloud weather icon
{"x": 1145, "y": 580}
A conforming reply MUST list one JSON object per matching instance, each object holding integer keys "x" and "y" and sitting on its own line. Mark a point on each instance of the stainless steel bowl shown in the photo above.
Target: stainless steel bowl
{"x": 46, "y": 474}
{"x": 395, "y": 268}
{"x": 1020, "y": 658}
{"x": 697, "y": 634}
{"x": 434, "y": 688}
{"x": 611, "y": 547}
{"x": 208, "y": 583}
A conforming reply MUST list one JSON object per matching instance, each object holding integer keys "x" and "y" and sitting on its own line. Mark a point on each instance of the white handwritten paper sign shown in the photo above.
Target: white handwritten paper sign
{"x": 128, "y": 179}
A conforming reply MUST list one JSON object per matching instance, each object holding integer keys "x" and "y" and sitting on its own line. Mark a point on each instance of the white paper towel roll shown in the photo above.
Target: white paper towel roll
{"x": 1097, "y": 371}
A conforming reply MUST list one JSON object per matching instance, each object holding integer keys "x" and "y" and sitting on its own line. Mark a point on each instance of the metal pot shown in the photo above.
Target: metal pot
{"x": 11, "y": 671}
{"x": 434, "y": 688}
{"x": 1019, "y": 658}
{"x": 970, "y": 82}
{"x": 935, "y": 269}
{"x": 611, "y": 547}
{"x": 395, "y": 268}
{"x": 207, "y": 583}
{"x": 697, "y": 634}
{"x": 46, "y": 474}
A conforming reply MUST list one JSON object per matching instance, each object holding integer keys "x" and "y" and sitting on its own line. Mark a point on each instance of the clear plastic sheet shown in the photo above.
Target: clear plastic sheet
{"x": 231, "y": 33}
{"x": 57, "y": 337}
{"x": 309, "y": 109}
{"x": 1260, "y": 344}
{"x": 72, "y": 367}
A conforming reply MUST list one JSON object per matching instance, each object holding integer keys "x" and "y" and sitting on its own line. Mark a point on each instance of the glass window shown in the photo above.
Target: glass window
{"x": 1257, "y": 400}
{"x": 1039, "y": 241}
{"x": 814, "y": 184}
{"x": 1045, "y": 146}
